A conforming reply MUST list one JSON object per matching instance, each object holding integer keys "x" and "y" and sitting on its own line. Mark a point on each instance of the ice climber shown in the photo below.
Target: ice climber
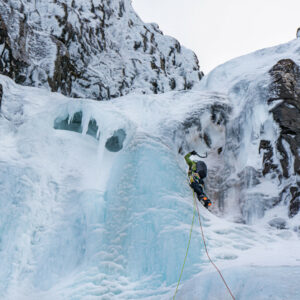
{"x": 197, "y": 172}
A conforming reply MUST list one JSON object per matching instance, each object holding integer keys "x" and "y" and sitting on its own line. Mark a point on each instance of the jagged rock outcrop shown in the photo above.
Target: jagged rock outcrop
{"x": 193, "y": 125}
{"x": 97, "y": 48}
{"x": 285, "y": 89}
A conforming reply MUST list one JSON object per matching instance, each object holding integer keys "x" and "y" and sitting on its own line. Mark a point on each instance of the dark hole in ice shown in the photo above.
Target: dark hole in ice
{"x": 76, "y": 125}
{"x": 93, "y": 129}
{"x": 278, "y": 223}
{"x": 115, "y": 142}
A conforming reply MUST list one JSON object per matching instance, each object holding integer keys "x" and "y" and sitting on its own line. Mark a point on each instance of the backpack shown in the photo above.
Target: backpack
{"x": 201, "y": 168}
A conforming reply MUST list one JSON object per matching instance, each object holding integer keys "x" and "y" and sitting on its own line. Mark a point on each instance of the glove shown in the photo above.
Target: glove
{"x": 194, "y": 152}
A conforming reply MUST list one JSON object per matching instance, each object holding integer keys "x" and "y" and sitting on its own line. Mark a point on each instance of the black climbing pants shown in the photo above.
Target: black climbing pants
{"x": 200, "y": 194}
{"x": 198, "y": 189}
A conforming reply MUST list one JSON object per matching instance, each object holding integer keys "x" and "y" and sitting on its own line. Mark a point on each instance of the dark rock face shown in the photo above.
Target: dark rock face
{"x": 10, "y": 65}
{"x": 1, "y": 94}
{"x": 285, "y": 89}
{"x": 96, "y": 48}
{"x": 268, "y": 164}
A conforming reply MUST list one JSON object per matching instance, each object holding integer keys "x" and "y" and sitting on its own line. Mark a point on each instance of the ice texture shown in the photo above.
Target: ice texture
{"x": 78, "y": 221}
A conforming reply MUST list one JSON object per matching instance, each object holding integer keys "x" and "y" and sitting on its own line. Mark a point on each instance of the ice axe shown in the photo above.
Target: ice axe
{"x": 195, "y": 153}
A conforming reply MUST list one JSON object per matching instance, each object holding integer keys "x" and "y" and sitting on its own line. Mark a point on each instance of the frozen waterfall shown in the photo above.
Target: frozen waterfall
{"x": 94, "y": 201}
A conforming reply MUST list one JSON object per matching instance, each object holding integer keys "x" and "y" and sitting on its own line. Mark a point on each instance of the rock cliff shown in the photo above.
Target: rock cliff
{"x": 98, "y": 49}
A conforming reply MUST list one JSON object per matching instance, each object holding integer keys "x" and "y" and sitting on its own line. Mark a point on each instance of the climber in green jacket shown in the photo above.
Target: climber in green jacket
{"x": 197, "y": 172}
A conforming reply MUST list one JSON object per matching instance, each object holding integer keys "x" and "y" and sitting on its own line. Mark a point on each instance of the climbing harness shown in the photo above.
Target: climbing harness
{"x": 204, "y": 242}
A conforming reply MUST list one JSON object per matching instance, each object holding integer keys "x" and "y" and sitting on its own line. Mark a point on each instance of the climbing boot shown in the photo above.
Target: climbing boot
{"x": 204, "y": 200}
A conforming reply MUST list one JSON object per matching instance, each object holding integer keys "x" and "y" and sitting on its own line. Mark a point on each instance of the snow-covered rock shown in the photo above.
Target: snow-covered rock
{"x": 98, "y": 49}
{"x": 259, "y": 165}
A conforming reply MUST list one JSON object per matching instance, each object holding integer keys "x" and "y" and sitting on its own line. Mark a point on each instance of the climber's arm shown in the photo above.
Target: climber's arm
{"x": 188, "y": 160}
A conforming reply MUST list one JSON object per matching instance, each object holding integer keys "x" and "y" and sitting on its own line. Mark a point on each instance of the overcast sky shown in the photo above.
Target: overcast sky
{"x": 218, "y": 30}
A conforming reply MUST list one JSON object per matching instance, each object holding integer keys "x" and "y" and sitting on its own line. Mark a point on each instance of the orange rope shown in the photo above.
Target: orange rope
{"x": 203, "y": 238}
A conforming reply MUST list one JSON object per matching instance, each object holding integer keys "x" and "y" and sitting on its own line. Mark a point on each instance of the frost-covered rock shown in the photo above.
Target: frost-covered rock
{"x": 97, "y": 48}
{"x": 285, "y": 91}
{"x": 258, "y": 168}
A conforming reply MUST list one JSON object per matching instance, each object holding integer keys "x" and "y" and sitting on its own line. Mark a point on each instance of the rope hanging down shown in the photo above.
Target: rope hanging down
{"x": 203, "y": 238}
{"x": 187, "y": 250}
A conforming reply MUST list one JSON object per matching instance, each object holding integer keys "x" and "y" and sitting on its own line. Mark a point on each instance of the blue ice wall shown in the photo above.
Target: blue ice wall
{"x": 149, "y": 209}
{"x": 61, "y": 234}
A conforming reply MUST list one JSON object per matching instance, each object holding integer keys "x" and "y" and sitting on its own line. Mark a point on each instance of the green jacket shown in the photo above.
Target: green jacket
{"x": 193, "y": 175}
{"x": 192, "y": 165}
